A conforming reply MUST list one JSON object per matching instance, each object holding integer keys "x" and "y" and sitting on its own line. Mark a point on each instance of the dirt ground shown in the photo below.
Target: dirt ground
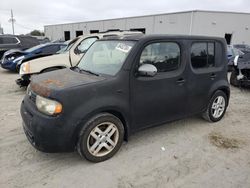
{"x": 185, "y": 153}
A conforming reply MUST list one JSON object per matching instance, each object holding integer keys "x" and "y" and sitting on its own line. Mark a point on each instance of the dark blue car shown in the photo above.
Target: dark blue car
{"x": 13, "y": 59}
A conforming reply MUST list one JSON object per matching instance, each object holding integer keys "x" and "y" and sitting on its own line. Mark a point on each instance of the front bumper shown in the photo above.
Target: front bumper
{"x": 9, "y": 65}
{"x": 45, "y": 133}
{"x": 23, "y": 81}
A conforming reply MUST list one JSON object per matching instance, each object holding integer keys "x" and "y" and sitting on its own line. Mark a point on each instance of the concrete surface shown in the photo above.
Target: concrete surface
{"x": 178, "y": 154}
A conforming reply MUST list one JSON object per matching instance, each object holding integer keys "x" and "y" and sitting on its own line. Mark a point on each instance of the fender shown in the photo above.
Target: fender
{"x": 118, "y": 108}
{"x": 220, "y": 85}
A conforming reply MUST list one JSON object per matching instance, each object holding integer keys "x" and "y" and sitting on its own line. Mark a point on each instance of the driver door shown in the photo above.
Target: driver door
{"x": 163, "y": 97}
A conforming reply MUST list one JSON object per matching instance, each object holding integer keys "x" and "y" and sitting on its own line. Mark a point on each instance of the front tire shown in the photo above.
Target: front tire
{"x": 216, "y": 107}
{"x": 101, "y": 137}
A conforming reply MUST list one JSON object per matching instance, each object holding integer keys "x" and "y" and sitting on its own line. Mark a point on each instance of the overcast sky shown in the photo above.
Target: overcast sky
{"x": 33, "y": 14}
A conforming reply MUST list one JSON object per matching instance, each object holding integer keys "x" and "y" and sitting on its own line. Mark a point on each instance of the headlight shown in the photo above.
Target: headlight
{"x": 11, "y": 58}
{"x": 25, "y": 68}
{"x": 47, "y": 106}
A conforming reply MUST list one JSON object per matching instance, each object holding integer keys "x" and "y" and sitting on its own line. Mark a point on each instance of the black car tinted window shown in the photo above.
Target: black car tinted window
{"x": 202, "y": 55}
{"x": 8, "y": 40}
{"x": 164, "y": 55}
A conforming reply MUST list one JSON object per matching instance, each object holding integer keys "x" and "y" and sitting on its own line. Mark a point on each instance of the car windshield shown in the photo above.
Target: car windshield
{"x": 34, "y": 48}
{"x": 68, "y": 47}
{"x": 106, "y": 57}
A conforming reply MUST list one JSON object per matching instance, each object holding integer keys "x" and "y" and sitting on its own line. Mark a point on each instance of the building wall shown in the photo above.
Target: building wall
{"x": 218, "y": 24}
{"x": 196, "y": 23}
{"x": 172, "y": 24}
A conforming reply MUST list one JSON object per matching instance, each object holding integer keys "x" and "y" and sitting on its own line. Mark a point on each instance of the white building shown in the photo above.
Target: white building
{"x": 1, "y": 30}
{"x": 234, "y": 26}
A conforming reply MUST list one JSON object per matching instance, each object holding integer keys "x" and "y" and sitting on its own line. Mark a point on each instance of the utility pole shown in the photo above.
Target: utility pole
{"x": 12, "y": 20}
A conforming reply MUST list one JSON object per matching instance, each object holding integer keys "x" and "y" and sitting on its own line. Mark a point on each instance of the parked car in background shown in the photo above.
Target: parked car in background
{"x": 232, "y": 52}
{"x": 124, "y": 84}
{"x": 240, "y": 75}
{"x": 13, "y": 59}
{"x": 69, "y": 57}
{"x": 242, "y": 47}
{"x": 20, "y": 42}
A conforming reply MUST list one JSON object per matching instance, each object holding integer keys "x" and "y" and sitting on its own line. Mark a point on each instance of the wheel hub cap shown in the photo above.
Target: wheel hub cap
{"x": 218, "y": 107}
{"x": 102, "y": 139}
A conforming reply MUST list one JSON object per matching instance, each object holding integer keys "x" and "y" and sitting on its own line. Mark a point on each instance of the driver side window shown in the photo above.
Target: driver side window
{"x": 85, "y": 44}
{"x": 165, "y": 56}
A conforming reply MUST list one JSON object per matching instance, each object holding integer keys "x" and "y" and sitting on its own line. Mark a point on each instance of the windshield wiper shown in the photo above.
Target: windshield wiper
{"x": 78, "y": 69}
{"x": 90, "y": 72}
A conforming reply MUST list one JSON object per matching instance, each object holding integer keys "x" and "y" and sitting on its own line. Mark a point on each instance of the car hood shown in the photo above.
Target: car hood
{"x": 47, "y": 83}
{"x": 15, "y": 51}
{"x": 40, "y": 64}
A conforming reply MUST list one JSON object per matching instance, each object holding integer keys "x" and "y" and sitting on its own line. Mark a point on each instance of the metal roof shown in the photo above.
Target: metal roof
{"x": 162, "y": 14}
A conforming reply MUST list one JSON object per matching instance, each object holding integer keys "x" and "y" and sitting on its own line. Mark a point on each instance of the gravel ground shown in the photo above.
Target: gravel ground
{"x": 185, "y": 153}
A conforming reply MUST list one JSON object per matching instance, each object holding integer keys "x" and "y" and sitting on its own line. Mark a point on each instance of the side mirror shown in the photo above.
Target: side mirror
{"x": 147, "y": 70}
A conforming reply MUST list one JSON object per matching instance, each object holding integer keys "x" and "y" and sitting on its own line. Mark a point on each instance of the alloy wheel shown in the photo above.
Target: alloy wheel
{"x": 103, "y": 139}
{"x": 218, "y": 106}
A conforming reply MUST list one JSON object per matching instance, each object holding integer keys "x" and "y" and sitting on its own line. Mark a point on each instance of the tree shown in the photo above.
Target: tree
{"x": 37, "y": 33}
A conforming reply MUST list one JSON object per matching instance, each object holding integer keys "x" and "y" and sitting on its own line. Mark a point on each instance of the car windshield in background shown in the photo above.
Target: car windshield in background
{"x": 106, "y": 57}
{"x": 231, "y": 51}
{"x": 34, "y": 48}
{"x": 68, "y": 47}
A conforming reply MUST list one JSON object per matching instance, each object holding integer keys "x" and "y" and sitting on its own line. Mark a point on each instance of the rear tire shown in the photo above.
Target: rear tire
{"x": 216, "y": 107}
{"x": 233, "y": 79}
{"x": 100, "y": 138}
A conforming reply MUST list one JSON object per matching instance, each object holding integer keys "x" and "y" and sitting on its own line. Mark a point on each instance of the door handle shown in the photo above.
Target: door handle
{"x": 213, "y": 76}
{"x": 181, "y": 81}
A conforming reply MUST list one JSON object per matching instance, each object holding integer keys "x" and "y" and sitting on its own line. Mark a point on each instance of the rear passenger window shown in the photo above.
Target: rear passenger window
{"x": 165, "y": 56}
{"x": 8, "y": 40}
{"x": 202, "y": 55}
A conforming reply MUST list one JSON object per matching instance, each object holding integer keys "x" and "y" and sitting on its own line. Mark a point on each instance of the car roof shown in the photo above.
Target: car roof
{"x": 161, "y": 36}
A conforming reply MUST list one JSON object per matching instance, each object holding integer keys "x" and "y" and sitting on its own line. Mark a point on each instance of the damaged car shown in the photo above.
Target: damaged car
{"x": 124, "y": 84}
{"x": 13, "y": 59}
{"x": 240, "y": 75}
{"x": 21, "y": 42}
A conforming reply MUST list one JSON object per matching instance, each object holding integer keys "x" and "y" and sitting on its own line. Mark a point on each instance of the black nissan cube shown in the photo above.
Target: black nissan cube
{"x": 123, "y": 85}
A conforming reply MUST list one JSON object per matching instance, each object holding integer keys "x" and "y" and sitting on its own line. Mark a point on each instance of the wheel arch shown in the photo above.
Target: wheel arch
{"x": 223, "y": 88}
{"x": 120, "y": 116}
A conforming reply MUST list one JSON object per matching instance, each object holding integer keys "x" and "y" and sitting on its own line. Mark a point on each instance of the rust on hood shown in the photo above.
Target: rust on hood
{"x": 43, "y": 88}
{"x": 56, "y": 83}
{"x": 39, "y": 89}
